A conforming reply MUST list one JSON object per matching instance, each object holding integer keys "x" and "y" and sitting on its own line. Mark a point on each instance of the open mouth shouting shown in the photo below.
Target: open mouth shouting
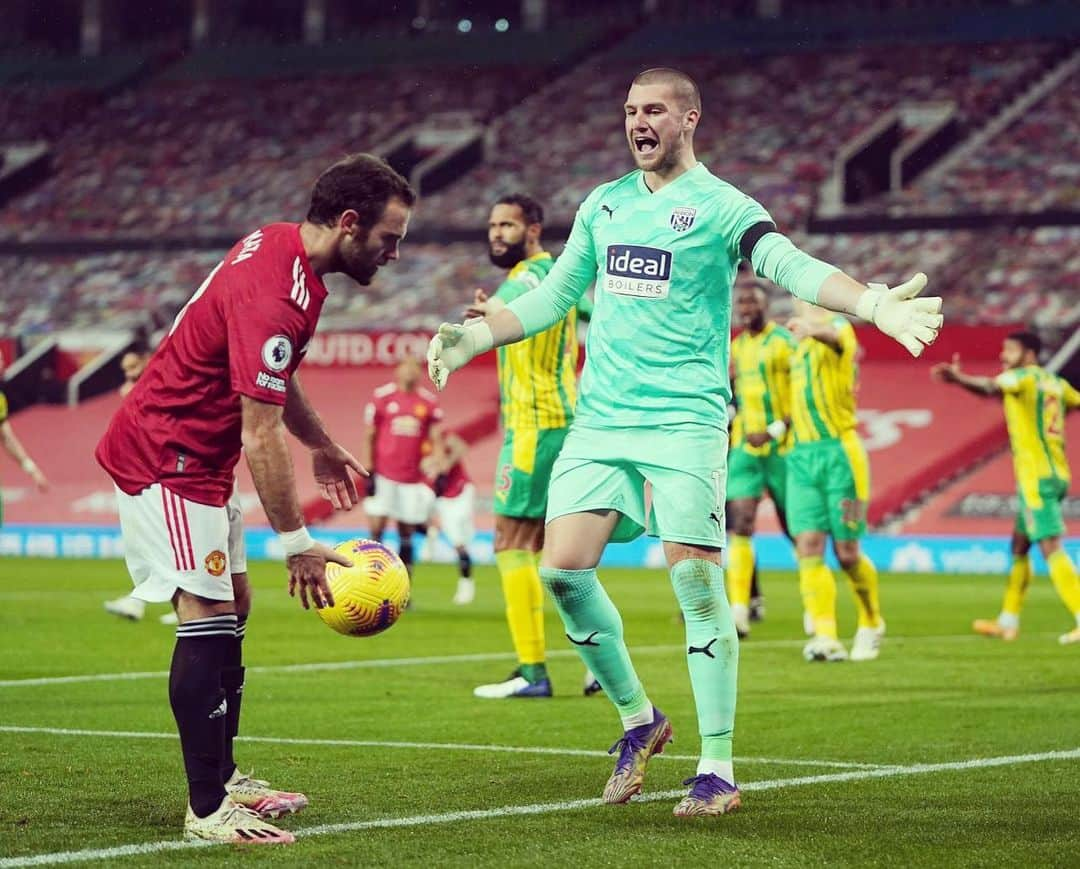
{"x": 645, "y": 144}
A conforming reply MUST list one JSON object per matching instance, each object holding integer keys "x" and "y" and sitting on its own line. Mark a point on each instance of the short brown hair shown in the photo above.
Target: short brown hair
{"x": 685, "y": 88}
{"x": 361, "y": 182}
{"x": 530, "y": 208}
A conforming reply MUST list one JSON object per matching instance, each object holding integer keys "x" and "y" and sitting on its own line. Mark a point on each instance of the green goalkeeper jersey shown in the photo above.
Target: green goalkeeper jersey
{"x": 663, "y": 263}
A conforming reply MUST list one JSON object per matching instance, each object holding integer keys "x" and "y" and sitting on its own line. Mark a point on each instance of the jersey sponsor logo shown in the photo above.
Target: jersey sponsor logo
{"x": 215, "y": 563}
{"x": 636, "y": 270}
{"x": 299, "y": 292}
{"x": 277, "y": 353}
{"x": 268, "y": 381}
{"x": 682, "y": 218}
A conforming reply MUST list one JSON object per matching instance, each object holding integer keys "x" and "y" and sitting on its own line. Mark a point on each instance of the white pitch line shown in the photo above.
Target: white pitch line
{"x": 376, "y": 663}
{"x": 436, "y": 746}
{"x": 145, "y": 848}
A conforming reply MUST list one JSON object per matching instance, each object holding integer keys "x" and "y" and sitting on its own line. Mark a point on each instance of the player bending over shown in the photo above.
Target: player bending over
{"x": 1035, "y": 402}
{"x": 662, "y": 244}
{"x": 225, "y": 377}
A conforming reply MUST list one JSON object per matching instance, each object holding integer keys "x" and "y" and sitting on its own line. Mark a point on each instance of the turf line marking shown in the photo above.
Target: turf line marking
{"x": 378, "y": 663}
{"x": 437, "y": 746}
{"x": 145, "y": 848}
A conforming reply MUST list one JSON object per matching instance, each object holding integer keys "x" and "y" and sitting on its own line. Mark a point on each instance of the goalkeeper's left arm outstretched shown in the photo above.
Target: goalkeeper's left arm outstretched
{"x": 897, "y": 311}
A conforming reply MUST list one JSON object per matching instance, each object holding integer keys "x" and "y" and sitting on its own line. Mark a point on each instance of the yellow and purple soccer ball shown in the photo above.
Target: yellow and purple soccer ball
{"x": 369, "y": 596}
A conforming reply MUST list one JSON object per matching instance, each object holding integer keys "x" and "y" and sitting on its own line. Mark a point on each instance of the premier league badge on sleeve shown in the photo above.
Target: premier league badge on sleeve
{"x": 682, "y": 218}
{"x": 277, "y": 353}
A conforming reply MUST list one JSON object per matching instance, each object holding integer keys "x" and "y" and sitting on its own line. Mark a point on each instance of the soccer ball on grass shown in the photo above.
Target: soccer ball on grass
{"x": 369, "y": 596}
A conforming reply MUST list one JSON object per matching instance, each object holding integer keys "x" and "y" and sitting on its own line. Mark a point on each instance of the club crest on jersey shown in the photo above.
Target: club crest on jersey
{"x": 215, "y": 563}
{"x": 636, "y": 270}
{"x": 277, "y": 353}
{"x": 682, "y": 218}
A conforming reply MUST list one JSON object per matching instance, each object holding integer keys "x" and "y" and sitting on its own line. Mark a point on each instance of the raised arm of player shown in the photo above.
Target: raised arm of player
{"x": 330, "y": 461}
{"x": 911, "y": 321}
{"x": 455, "y": 345}
{"x": 950, "y": 372}
{"x": 263, "y": 437}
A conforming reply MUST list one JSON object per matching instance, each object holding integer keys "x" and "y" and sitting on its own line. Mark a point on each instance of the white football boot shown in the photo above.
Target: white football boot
{"x": 867, "y": 643}
{"x": 824, "y": 649}
{"x": 234, "y": 824}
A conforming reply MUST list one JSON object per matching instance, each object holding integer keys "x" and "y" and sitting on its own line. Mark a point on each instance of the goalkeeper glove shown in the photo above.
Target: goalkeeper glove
{"x": 454, "y": 345}
{"x": 896, "y": 312}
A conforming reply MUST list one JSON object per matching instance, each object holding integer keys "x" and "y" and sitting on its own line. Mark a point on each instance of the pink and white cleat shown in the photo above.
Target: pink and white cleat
{"x": 233, "y": 824}
{"x": 257, "y": 795}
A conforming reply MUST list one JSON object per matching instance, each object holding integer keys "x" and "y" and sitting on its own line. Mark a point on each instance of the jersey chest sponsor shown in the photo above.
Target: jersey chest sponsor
{"x": 637, "y": 270}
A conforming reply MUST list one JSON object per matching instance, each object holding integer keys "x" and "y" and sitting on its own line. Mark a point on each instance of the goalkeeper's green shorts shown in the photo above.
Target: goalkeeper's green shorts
{"x": 607, "y": 469}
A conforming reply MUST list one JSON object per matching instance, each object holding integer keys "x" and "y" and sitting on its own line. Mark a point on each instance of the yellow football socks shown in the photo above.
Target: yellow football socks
{"x": 864, "y": 584}
{"x": 818, "y": 587}
{"x": 740, "y": 571}
{"x": 1017, "y": 588}
{"x": 1063, "y": 575}
{"x": 524, "y": 603}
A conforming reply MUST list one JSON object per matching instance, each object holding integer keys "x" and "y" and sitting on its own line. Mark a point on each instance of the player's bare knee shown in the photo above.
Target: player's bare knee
{"x": 1020, "y": 543}
{"x": 1049, "y": 545}
{"x": 810, "y": 544}
{"x": 741, "y": 514}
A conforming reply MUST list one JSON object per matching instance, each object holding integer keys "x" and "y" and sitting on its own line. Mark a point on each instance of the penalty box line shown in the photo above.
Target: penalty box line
{"x": 435, "y": 746}
{"x": 143, "y": 849}
{"x": 432, "y": 660}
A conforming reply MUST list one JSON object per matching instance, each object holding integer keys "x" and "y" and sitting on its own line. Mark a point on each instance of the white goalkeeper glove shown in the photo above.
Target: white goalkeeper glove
{"x": 896, "y": 312}
{"x": 454, "y": 345}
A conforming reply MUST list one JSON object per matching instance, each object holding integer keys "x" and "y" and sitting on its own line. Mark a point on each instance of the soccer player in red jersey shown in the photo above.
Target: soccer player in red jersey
{"x": 455, "y": 507}
{"x": 225, "y": 378}
{"x": 401, "y": 419}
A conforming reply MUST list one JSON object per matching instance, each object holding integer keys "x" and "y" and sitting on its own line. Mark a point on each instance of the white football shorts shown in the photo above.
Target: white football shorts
{"x": 410, "y": 503}
{"x": 456, "y": 516}
{"x": 172, "y": 543}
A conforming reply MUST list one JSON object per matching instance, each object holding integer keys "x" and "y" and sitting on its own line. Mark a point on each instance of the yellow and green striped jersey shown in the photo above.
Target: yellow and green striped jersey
{"x": 1036, "y": 402}
{"x": 537, "y": 376}
{"x": 823, "y": 386}
{"x": 762, "y": 384}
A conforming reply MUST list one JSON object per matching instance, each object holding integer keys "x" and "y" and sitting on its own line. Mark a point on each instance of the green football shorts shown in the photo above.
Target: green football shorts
{"x": 828, "y": 487}
{"x": 1040, "y": 516}
{"x": 751, "y": 476}
{"x": 523, "y": 473}
{"x": 606, "y": 469}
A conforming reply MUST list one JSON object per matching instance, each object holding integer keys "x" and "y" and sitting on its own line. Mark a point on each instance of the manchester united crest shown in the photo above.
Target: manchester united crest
{"x": 682, "y": 218}
{"x": 215, "y": 563}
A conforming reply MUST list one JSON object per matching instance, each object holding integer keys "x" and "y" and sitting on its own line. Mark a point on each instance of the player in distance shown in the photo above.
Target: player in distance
{"x": 401, "y": 419}
{"x": 454, "y": 508}
{"x": 225, "y": 378}
{"x": 828, "y": 483}
{"x": 16, "y": 450}
{"x": 1035, "y": 403}
{"x": 537, "y": 396}
{"x": 662, "y": 244}
{"x": 760, "y": 356}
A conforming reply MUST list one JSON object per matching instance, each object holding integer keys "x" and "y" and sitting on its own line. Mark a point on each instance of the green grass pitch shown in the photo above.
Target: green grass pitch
{"x": 950, "y": 750}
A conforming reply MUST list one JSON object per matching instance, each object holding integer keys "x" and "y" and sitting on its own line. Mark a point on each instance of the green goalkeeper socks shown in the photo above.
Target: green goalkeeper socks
{"x": 712, "y": 652}
{"x": 595, "y": 628}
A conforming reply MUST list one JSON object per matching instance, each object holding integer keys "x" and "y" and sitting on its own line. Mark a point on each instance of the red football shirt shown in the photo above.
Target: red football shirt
{"x": 244, "y": 332}
{"x": 402, "y": 423}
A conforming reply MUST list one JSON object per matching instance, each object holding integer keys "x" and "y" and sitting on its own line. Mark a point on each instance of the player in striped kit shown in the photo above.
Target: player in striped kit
{"x": 828, "y": 483}
{"x": 1035, "y": 402}
{"x": 760, "y": 356}
{"x": 537, "y": 395}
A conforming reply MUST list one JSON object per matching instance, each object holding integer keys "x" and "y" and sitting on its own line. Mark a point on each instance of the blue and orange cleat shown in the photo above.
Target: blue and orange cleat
{"x": 709, "y": 795}
{"x": 635, "y": 748}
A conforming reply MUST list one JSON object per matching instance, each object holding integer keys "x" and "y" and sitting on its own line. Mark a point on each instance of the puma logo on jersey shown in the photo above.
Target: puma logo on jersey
{"x": 610, "y": 211}
{"x": 703, "y": 650}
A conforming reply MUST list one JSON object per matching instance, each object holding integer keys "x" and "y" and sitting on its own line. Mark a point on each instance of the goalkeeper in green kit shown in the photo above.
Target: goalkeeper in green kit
{"x": 662, "y": 244}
